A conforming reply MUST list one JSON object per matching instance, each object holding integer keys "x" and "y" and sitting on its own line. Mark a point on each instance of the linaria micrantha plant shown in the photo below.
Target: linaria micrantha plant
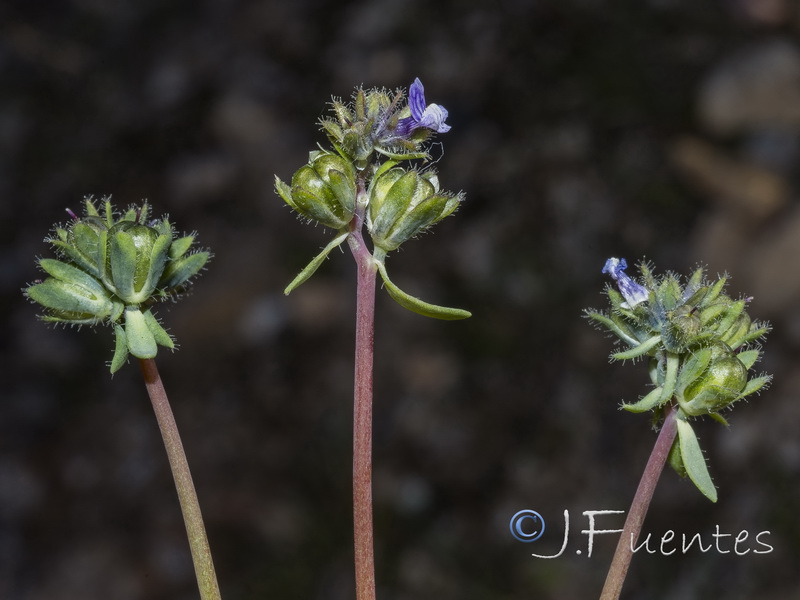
{"x": 373, "y": 175}
{"x": 111, "y": 270}
{"x": 699, "y": 345}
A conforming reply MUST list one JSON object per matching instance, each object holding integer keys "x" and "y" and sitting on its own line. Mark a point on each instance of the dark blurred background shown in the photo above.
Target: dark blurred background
{"x": 581, "y": 129}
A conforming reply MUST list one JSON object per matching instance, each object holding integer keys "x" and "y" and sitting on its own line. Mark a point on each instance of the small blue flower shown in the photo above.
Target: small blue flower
{"x": 632, "y": 292}
{"x": 429, "y": 116}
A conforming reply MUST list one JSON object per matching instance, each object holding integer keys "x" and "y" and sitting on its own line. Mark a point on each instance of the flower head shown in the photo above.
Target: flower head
{"x": 632, "y": 292}
{"x": 428, "y": 116}
{"x": 112, "y": 269}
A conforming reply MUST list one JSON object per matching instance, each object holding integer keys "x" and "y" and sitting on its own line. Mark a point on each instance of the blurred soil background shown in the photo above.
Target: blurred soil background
{"x": 581, "y": 129}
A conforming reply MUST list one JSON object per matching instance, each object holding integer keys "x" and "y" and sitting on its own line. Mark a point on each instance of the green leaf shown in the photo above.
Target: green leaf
{"x": 315, "y": 263}
{"x": 418, "y": 306}
{"x": 694, "y": 461}
{"x": 639, "y": 350}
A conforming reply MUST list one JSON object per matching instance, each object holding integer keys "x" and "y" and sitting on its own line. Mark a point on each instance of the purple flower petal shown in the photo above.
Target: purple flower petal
{"x": 416, "y": 99}
{"x": 429, "y": 116}
{"x": 632, "y": 292}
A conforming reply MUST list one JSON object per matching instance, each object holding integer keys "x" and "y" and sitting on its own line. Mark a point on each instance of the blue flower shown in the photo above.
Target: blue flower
{"x": 632, "y": 292}
{"x": 429, "y": 116}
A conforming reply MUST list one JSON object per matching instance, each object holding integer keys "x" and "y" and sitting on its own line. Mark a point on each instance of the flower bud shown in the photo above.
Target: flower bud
{"x": 719, "y": 385}
{"x": 404, "y": 203}
{"x": 323, "y": 190}
{"x": 137, "y": 255}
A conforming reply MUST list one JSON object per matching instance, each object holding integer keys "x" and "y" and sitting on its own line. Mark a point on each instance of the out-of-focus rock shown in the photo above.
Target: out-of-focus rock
{"x": 756, "y": 88}
{"x": 745, "y": 188}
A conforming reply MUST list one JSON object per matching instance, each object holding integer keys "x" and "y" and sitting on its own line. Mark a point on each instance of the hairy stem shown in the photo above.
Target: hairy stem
{"x": 639, "y": 506}
{"x": 362, "y": 408}
{"x": 190, "y": 507}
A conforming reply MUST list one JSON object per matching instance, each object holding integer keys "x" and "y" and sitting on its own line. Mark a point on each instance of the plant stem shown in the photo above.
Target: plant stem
{"x": 190, "y": 507}
{"x": 362, "y": 408}
{"x": 639, "y": 506}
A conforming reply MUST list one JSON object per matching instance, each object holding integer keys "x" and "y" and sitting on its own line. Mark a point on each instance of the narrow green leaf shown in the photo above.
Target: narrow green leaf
{"x": 694, "y": 461}
{"x": 310, "y": 269}
{"x": 418, "y": 306}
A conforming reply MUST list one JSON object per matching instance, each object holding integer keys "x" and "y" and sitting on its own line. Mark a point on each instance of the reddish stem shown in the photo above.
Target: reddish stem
{"x": 639, "y": 506}
{"x": 190, "y": 507}
{"x": 362, "y": 408}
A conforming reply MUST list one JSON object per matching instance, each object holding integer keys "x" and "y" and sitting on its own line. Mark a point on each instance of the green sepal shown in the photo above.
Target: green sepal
{"x": 403, "y": 156}
{"x": 714, "y": 292}
{"x": 315, "y": 263}
{"x": 640, "y": 350}
{"x": 285, "y": 192}
{"x": 693, "y": 367}
{"x": 390, "y": 197}
{"x": 648, "y": 402}
{"x": 70, "y": 274}
{"x": 70, "y": 301}
{"x": 180, "y": 247}
{"x": 418, "y": 306}
{"x": 749, "y": 357}
{"x": 140, "y": 339}
{"x": 694, "y": 461}
{"x": 615, "y": 326}
{"x": 123, "y": 261}
{"x": 120, "y": 349}
{"x": 731, "y": 314}
{"x": 160, "y": 334}
{"x": 425, "y": 214}
{"x": 753, "y": 386}
{"x": 158, "y": 259}
{"x": 719, "y": 418}
{"x": 177, "y": 272}
{"x": 670, "y": 378}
